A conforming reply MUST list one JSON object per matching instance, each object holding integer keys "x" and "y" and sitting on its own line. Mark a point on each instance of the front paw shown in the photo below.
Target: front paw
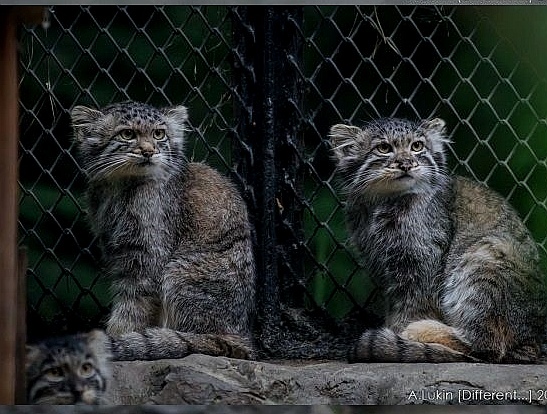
{"x": 116, "y": 328}
{"x": 241, "y": 348}
{"x": 231, "y": 346}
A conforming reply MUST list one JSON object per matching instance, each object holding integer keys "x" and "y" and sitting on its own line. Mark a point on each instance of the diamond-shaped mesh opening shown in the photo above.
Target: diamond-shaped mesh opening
{"x": 357, "y": 63}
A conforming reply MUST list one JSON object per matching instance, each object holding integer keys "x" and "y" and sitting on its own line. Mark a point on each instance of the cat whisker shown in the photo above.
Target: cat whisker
{"x": 105, "y": 162}
{"x": 172, "y": 164}
{"x": 106, "y": 165}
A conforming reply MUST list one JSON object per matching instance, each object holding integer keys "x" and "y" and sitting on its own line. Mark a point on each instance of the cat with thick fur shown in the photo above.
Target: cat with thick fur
{"x": 175, "y": 236}
{"x": 457, "y": 266}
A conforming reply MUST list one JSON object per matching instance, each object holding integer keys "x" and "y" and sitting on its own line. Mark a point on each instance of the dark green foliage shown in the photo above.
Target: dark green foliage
{"x": 480, "y": 69}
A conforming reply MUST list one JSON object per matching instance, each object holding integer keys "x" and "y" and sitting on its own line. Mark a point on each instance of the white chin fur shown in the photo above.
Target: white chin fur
{"x": 396, "y": 186}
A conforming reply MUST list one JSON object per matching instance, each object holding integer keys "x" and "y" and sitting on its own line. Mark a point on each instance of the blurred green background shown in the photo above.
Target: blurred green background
{"x": 480, "y": 68}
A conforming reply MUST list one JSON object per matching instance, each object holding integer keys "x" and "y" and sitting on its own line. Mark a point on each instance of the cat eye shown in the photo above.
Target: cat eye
{"x": 87, "y": 370}
{"x": 127, "y": 134}
{"x": 158, "y": 134}
{"x": 383, "y": 148}
{"x": 417, "y": 146}
{"x": 54, "y": 374}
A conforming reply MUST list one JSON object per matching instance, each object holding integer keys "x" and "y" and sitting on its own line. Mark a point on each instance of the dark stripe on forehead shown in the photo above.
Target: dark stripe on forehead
{"x": 393, "y": 127}
{"x": 134, "y": 111}
{"x": 126, "y": 106}
{"x": 398, "y": 132}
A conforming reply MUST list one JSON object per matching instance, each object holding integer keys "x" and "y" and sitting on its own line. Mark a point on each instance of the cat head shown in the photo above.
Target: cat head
{"x": 72, "y": 369}
{"x": 129, "y": 139}
{"x": 390, "y": 157}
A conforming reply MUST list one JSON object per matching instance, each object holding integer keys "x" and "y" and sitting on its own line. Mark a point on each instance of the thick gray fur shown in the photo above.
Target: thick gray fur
{"x": 175, "y": 236}
{"x": 458, "y": 268}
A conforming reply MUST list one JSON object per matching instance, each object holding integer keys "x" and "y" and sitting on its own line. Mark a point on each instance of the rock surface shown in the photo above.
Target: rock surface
{"x": 267, "y": 409}
{"x": 201, "y": 379}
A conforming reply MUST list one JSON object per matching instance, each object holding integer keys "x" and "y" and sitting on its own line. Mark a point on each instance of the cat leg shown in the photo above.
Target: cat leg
{"x": 503, "y": 322}
{"x": 207, "y": 292}
{"x": 493, "y": 338}
{"x": 207, "y": 305}
{"x": 162, "y": 343}
{"x": 135, "y": 307}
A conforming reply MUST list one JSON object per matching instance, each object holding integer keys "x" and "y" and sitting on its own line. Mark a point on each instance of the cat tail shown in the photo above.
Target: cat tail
{"x": 164, "y": 343}
{"x": 384, "y": 345}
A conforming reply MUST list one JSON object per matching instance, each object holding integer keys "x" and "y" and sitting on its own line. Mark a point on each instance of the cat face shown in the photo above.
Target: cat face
{"x": 390, "y": 157}
{"x": 71, "y": 369}
{"x": 130, "y": 139}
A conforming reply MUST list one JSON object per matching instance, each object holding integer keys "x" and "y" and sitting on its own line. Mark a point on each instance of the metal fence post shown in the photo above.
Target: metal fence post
{"x": 267, "y": 94}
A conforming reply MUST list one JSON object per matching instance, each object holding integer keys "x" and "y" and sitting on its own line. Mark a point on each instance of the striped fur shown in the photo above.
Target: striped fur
{"x": 73, "y": 369}
{"x": 175, "y": 236}
{"x": 384, "y": 345}
{"x": 160, "y": 343}
{"x": 458, "y": 268}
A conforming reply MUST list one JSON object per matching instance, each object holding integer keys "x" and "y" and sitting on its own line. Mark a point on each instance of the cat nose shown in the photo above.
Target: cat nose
{"x": 147, "y": 153}
{"x": 147, "y": 149}
{"x": 406, "y": 165}
{"x": 77, "y": 393}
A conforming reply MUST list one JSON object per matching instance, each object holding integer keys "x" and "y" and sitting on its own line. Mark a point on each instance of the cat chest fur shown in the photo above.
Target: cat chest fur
{"x": 403, "y": 241}
{"x": 133, "y": 217}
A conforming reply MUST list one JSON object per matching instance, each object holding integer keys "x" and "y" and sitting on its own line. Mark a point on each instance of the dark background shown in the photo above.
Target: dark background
{"x": 482, "y": 69}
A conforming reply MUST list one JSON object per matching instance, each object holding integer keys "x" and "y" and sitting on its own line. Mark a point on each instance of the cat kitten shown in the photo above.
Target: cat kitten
{"x": 72, "y": 369}
{"x": 175, "y": 236}
{"x": 458, "y": 268}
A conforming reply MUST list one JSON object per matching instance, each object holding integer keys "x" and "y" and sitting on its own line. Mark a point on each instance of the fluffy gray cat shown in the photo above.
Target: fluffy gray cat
{"x": 175, "y": 236}
{"x": 458, "y": 268}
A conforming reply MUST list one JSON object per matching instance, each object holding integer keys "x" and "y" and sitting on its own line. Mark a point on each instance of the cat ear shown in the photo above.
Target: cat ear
{"x": 176, "y": 117}
{"x": 84, "y": 115}
{"x": 82, "y": 118}
{"x": 435, "y": 131}
{"x": 96, "y": 334}
{"x": 177, "y": 113}
{"x": 435, "y": 125}
{"x": 342, "y": 138}
{"x": 99, "y": 342}
{"x": 32, "y": 353}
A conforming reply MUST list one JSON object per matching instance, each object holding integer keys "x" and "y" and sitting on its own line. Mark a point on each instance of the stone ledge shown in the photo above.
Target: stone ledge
{"x": 201, "y": 379}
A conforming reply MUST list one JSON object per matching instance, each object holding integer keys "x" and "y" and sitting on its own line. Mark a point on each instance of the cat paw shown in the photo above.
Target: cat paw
{"x": 239, "y": 347}
{"x": 432, "y": 331}
{"x": 242, "y": 349}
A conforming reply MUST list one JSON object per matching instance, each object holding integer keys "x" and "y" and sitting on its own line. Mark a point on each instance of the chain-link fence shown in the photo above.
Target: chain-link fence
{"x": 263, "y": 85}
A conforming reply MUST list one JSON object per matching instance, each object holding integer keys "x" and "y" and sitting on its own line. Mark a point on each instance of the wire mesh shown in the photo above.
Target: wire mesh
{"x": 355, "y": 63}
